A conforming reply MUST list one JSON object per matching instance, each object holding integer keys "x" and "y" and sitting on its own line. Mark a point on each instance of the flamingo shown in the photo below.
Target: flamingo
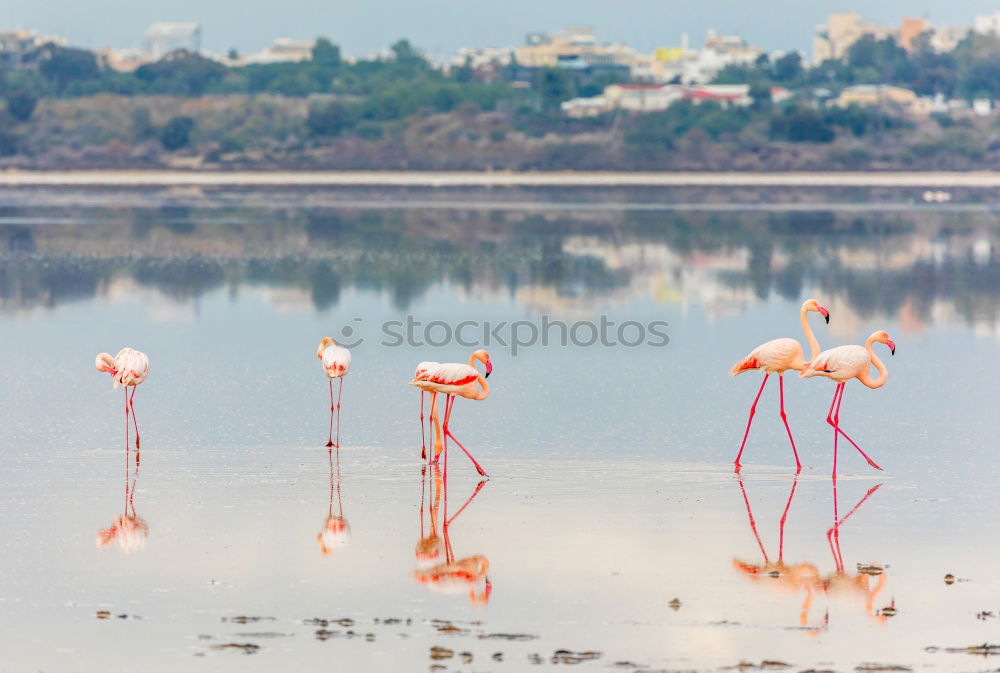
{"x": 778, "y": 356}
{"x": 453, "y": 379}
{"x": 129, "y": 368}
{"x": 129, "y": 530}
{"x": 421, "y": 370}
{"x": 336, "y": 363}
{"x": 842, "y": 364}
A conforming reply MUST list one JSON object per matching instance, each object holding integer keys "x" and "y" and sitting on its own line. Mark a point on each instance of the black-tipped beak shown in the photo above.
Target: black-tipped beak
{"x": 827, "y": 318}
{"x": 487, "y": 375}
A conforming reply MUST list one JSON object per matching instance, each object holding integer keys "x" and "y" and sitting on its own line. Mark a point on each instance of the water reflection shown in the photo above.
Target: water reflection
{"x": 336, "y": 531}
{"x": 437, "y": 565}
{"x": 128, "y": 532}
{"x": 805, "y": 578}
{"x": 924, "y": 266}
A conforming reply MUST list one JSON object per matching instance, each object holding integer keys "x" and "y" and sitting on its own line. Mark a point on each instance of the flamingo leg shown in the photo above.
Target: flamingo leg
{"x": 131, "y": 404}
{"x": 126, "y": 426}
{"x": 423, "y": 439}
{"x": 329, "y": 442}
{"x": 838, "y": 430}
{"x": 435, "y": 428}
{"x": 784, "y": 419}
{"x": 340, "y": 390}
{"x": 447, "y": 433}
{"x": 753, "y": 410}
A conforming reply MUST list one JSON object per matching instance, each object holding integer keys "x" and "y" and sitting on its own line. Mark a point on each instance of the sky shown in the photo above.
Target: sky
{"x": 441, "y": 26}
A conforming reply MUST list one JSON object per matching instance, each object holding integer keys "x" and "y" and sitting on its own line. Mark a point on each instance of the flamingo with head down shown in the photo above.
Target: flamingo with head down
{"x": 456, "y": 379}
{"x": 777, "y": 357}
{"x": 842, "y": 364}
{"x": 129, "y": 368}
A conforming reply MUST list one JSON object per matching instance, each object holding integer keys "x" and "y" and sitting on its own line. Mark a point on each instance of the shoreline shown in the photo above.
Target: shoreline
{"x": 442, "y": 179}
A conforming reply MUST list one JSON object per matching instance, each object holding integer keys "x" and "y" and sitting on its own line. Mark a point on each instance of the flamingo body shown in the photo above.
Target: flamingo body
{"x": 452, "y": 378}
{"x": 129, "y": 368}
{"x": 840, "y": 363}
{"x": 336, "y": 361}
{"x": 775, "y": 356}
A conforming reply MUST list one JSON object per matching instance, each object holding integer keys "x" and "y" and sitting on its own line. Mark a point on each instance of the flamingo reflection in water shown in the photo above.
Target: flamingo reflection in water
{"x": 128, "y": 531}
{"x": 336, "y": 531}
{"x": 779, "y": 575}
{"x": 437, "y": 566}
{"x": 806, "y": 578}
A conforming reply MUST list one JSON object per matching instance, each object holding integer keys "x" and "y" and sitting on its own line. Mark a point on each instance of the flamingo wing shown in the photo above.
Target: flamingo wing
{"x": 451, "y": 373}
{"x": 424, "y": 367}
{"x": 775, "y": 355}
{"x": 132, "y": 367}
{"x": 842, "y": 362}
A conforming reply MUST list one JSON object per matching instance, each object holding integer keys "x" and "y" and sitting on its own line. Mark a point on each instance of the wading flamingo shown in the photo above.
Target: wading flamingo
{"x": 336, "y": 363}
{"x": 129, "y": 368}
{"x": 433, "y": 422}
{"x": 453, "y": 379}
{"x": 842, "y": 364}
{"x": 336, "y": 531}
{"x": 447, "y": 574}
{"x": 777, "y": 357}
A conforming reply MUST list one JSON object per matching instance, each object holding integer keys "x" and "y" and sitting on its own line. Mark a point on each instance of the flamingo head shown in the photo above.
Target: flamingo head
{"x": 883, "y": 337}
{"x": 813, "y": 305}
{"x": 327, "y": 341}
{"x": 483, "y": 357}
{"x": 105, "y": 363}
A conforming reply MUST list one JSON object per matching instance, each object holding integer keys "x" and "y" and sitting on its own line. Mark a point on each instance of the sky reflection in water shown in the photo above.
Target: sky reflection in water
{"x": 612, "y": 493}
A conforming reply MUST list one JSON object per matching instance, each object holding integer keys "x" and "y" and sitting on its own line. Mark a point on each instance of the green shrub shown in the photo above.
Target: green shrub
{"x": 177, "y": 133}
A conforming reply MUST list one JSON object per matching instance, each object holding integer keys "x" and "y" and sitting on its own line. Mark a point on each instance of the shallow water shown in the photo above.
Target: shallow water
{"x": 612, "y": 527}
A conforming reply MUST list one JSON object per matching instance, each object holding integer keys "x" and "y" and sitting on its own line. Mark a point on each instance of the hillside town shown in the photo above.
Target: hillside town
{"x": 562, "y": 99}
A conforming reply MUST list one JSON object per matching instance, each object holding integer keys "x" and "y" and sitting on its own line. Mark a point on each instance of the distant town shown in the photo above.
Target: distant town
{"x": 874, "y": 96}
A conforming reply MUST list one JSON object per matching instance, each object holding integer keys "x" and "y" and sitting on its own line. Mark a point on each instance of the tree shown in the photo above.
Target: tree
{"x": 760, "y": 93}
{"x": 788, "y": 68}
{"x": 63, "y": 65}
{"x": 177, "y": 133}
{"x": 182, "y": 72}
{"x": 554, "y": 86}
{"x": 325, "y": 52}
{"x": 330, "y": 119}
{"x": 801, "y": 125}
{"x": 21, "y": 104}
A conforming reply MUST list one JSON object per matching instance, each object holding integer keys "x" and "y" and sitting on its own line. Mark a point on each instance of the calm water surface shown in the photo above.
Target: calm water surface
{"x": 612, "y": 531}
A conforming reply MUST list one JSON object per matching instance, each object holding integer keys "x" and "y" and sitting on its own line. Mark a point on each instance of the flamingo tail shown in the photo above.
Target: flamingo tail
{"x": 747, "y": 364}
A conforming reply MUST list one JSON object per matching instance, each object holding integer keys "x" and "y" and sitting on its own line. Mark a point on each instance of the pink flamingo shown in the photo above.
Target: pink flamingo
{"x": 842, "y": 364}
{"x": 129, "y": 368}
{"x": 336, "y": 363}
{"x": 421, "y": 370}
{"x": 456, "y": 379}
{"x": 778, "y": 356}
{"x": 336, "y": 531}
{"x": 129, "y": 530}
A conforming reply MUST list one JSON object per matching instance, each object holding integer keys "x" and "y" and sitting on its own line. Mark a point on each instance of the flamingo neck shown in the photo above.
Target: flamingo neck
{"x": 485, "y": 390}
{"x": 810, "y": 337}
{"x": 865, "y": 377}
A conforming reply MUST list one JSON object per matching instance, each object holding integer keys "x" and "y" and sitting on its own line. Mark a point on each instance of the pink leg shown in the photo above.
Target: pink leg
{"x": 329, "y": 442}
{"x": 423, "y": 439}
{"x": 447, "y": 433}
{"x": 131, "y": 403}
{"x": 836, "y": 435}
{"x": 126, "y": 422}
{"x": 784, "y": 419}
{"x": 340, "y": 391}
{"x": 837, "y": 430}
{"x": 753, "y": 410}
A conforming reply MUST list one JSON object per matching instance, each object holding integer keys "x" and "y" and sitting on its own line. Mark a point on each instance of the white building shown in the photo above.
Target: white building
{"x": 987, "y": 24}
{"x": 284, "y": 50}
{"x": 483, "y": 57}
{"x": 163, "y": 38}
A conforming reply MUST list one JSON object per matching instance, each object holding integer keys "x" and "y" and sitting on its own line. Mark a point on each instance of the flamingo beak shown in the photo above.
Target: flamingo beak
{"x": 489, "y": 369}
{"x": 891, "y": 345}
{"x": 823, "y": 312}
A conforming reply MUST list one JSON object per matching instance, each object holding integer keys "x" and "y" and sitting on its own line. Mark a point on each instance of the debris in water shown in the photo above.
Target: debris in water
{"x": 246, "y": 648}
{"x": 497, "y": 656}
{"x": 568, "y": 657}
{"x": 675, "y": 604}
{"x": 507, "y": 636}
{"x": 874, "y": 668}
{"x": 243, "y": 619}
{"x": 439, "y": 653}
{"x": 466, "y": 657}
{"x": 103, "y": 614}
{"x": 949, "y": 579}
{"x": 870, "y": 569}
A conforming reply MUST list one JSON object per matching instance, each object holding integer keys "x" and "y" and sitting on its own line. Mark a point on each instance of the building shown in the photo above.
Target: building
{"x": 483, "y": 57}
{"x": 576, "y": 44}
{"x": 841, "y": 30}
{"x": 987, "y": 24}
{"x": 909, "y": 30}
{"x": 163, "y": 38}
{"x": 122, "y": 60}
{"x": 284, "y": 50}
{"x": 945, "y": 38}
{"x": 870, "y": 95}
{"x": 642, "y": 97}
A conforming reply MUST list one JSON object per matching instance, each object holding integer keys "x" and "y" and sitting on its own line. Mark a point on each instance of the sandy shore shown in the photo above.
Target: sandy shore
{"x": 144, "y": 178}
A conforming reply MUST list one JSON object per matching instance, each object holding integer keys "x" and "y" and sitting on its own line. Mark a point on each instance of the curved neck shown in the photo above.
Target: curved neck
{"x": 865, "y": 377}
{"x": 485, "y": 390}
{"x": 810, "y": 337}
